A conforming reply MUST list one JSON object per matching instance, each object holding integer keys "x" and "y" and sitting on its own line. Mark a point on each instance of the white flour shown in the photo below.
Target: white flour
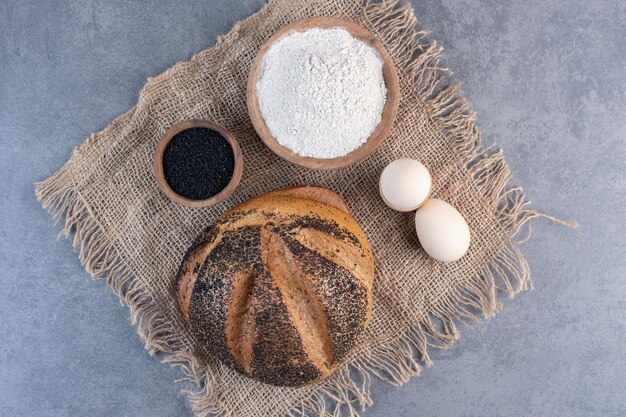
{"x": 321, "y": 92}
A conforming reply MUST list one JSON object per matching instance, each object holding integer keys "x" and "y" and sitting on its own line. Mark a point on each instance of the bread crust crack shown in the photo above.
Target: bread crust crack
{"x": 307, "y": 313}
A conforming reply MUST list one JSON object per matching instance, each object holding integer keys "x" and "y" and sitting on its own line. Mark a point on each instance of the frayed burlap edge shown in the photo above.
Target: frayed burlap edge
{"x": 395, "y": 361}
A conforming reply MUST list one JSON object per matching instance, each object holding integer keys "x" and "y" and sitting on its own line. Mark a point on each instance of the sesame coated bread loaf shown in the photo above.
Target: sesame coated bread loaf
{"x": 280, "y": 286}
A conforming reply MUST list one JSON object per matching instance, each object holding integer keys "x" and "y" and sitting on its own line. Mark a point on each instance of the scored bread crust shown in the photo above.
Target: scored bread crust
{"x": 310, "y": 192}
{"x": 280, "y": 286}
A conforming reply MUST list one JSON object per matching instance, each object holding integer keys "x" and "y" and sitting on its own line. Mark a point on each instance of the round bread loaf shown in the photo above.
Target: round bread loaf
{"x": 280, "y": 286}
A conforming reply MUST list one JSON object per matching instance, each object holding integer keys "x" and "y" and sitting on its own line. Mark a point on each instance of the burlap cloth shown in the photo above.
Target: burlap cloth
{"x": 128, "y": 233}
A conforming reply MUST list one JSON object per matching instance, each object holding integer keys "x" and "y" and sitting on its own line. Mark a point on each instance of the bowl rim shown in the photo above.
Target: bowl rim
{"x": 159, "y": 174}
{"x": 390, "y": 110}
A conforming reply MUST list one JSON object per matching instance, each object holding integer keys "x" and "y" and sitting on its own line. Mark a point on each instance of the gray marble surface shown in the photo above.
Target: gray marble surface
{"x": 547, "y": 78}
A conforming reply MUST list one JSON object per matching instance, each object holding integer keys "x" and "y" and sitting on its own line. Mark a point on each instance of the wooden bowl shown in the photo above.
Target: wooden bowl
{"x": 389, "y": 111}
{"x": 159, "y": 174}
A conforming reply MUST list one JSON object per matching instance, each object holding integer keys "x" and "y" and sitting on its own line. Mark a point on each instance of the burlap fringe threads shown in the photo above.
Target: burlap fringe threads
{"x": 396, "y": 361}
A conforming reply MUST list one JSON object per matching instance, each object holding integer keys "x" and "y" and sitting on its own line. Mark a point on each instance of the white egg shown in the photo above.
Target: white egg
{"x": 404, "y": 184}
{"x": 442, "y": 230}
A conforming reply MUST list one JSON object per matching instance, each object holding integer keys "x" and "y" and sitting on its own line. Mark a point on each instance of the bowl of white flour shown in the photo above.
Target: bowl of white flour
{"x": 323, "y": 93}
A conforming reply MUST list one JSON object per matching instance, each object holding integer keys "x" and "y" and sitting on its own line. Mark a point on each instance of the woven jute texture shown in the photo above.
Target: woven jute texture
{"x": 129, "y": 234}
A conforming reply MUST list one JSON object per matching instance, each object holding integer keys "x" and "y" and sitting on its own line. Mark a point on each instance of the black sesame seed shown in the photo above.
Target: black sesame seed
{"x": 198, "y": 163}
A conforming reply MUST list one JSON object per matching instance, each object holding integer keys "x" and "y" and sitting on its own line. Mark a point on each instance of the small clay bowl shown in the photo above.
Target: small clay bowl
{"x": 389, "y": 111}
{"x": 159, "y": 174}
